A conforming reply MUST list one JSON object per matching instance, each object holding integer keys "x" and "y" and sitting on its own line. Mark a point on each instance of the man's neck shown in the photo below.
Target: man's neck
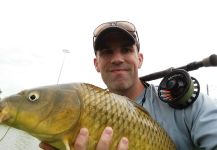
{"x": 134, "y": 91}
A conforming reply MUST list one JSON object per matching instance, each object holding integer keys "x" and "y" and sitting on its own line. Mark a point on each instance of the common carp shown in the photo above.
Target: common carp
{"x": 56, "y": 113}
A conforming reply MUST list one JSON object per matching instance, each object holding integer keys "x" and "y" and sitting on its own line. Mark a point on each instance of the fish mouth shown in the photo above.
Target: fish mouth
{"x": 4, "y": 116}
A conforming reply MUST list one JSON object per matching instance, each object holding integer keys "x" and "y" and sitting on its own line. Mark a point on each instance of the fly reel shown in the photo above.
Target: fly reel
{"x": 178, "y": 89}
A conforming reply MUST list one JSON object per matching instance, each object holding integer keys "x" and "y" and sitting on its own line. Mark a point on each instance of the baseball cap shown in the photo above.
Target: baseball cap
{"x": 126, "y": 27}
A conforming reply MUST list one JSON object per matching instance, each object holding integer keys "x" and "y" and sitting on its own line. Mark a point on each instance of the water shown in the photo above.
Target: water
{"x": 17, "y": 140}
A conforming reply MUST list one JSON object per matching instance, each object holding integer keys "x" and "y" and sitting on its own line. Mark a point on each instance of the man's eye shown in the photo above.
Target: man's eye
{"x": 126, "y": 50}
{"x": 105, "y": 51}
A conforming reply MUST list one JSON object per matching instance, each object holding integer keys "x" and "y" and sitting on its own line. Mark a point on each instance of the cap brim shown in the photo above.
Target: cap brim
{"x": 109, "y": 30}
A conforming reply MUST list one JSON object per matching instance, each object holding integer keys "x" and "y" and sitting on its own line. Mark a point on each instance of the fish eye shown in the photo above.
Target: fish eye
{"x": 33, "y": 96}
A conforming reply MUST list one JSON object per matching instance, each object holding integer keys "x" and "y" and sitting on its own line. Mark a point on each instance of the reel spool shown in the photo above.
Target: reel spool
{"x": 178, "y": 89}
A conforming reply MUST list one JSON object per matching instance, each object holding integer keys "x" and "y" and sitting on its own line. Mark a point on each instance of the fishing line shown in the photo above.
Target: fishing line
{"x": 5, "y": 134}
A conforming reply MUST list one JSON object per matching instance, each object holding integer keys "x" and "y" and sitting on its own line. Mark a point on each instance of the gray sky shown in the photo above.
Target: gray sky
{"x": 33, "y": 34}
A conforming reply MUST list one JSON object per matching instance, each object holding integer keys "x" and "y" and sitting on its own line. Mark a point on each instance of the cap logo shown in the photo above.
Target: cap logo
{"x": 113, "y": 24}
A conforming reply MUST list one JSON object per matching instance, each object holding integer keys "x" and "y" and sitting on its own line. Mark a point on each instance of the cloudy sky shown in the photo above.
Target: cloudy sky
{"x": 33, "y": 34}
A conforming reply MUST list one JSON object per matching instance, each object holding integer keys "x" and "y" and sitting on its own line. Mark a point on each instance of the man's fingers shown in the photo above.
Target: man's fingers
{"x": 105, "y": 139}
{"x": 123, "y": 144}
{"x": 46, "y": 146}
{"x": 82, "y": 140}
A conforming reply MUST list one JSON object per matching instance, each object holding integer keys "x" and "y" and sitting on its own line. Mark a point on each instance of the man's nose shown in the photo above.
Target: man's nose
{"x": 117, "y": 57}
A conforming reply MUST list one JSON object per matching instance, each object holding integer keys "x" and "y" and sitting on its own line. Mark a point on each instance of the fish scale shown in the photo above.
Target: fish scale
{"x": 125, "y": 118}
{"x": 83, "y": 105}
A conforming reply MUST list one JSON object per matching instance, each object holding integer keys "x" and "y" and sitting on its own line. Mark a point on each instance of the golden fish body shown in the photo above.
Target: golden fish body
{"x": 56, "y": 113}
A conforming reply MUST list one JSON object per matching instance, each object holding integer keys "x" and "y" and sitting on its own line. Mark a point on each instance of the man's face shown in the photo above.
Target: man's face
{"x": 118, "y": 62}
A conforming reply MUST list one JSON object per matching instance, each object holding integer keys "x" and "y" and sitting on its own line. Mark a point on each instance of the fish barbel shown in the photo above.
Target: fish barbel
{"x": 56, "y": 113}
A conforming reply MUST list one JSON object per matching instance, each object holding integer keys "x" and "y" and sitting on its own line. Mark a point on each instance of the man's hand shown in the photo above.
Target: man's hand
{"x": 106, "y": 138}
{"x": 82, "y": 141}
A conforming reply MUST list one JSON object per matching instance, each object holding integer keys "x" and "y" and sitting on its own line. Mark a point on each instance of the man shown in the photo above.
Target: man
{"x": 118, "y": 58}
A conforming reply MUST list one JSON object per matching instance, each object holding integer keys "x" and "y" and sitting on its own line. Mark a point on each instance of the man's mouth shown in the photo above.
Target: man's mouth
{"x": 118, "y": 70}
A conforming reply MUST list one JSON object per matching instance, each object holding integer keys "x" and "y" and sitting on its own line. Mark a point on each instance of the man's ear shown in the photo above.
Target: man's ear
{"x": 140, "y": 55}
{"x": 96, "y": 65}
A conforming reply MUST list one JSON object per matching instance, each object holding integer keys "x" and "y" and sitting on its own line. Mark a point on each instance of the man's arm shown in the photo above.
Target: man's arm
{"x": 202, "y": 120}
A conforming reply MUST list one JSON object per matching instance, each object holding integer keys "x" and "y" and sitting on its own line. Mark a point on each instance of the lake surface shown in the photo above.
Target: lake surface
{"x": 17, "y": 140}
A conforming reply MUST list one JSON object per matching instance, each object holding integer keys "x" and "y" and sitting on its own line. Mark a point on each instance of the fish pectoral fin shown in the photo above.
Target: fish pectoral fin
{"x": 66, "y": 143}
